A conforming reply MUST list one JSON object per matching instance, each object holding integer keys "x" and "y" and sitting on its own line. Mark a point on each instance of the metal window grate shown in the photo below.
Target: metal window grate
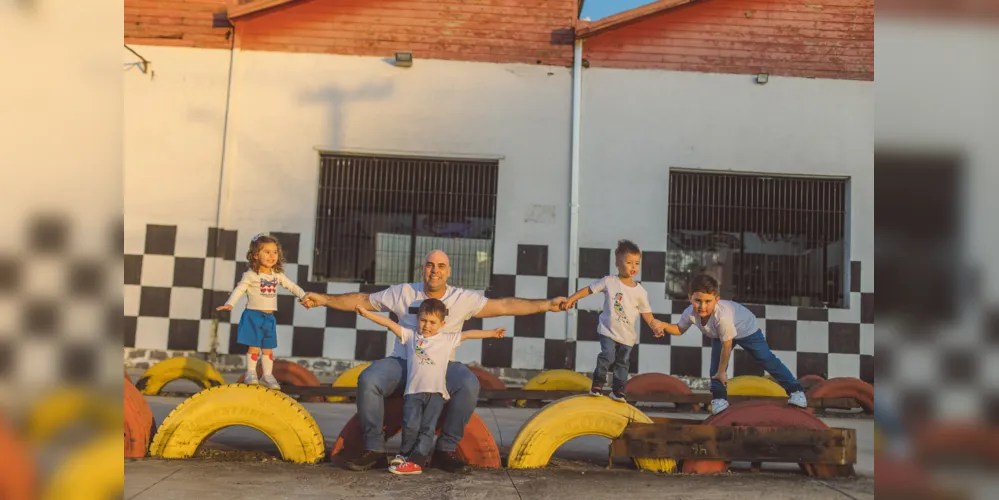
{"x": 768, "y": 239}
{"x": 378, "y": 216}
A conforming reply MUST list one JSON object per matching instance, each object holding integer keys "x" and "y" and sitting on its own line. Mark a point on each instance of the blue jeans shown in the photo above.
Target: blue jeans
{"x": 756, "y": 345}
{"x": 387, "y": 377}
{"x": 619, "y": 355}
{"x": 419, "y": 422}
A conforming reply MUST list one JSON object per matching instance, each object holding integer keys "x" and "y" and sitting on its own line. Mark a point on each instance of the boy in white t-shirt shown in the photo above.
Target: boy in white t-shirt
{"x": 728, "y": 324}
{"x": 428, "y": 352}
{"x": 624, "y": 301}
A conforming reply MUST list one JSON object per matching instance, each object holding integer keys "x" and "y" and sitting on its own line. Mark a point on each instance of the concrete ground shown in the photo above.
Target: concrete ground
{"x": 232, "y": 466}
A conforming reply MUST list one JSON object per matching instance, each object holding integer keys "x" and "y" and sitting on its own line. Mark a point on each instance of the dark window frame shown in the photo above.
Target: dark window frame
{"x": 370, "y": 206}
{"x": 793, "y": 222}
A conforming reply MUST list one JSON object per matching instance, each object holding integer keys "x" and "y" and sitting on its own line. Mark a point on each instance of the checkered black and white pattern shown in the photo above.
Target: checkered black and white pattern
{"x": 176, "y": 277}
{"x": 826, "y": 342}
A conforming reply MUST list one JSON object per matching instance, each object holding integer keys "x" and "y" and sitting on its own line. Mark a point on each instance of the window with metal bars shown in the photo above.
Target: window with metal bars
{"x": 378, "y": 217}
{"x": 769, "y": 239}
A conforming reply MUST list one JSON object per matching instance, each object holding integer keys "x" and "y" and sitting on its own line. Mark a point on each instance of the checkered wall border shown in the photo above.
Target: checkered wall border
{"x": 171, "y": 296}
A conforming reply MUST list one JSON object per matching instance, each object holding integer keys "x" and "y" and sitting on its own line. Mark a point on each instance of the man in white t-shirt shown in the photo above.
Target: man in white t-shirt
{"x": 387, "y": 376}
{"x": 728, "y": 324}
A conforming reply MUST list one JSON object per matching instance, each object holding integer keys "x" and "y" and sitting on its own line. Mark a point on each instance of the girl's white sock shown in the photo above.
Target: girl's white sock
{"x": 251, "y": 362}
{"x": 268, "y": 361}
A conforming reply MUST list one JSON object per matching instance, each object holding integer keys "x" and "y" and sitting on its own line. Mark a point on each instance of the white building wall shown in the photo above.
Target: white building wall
{"x": 286, "y": 108}
{"x": 639, "y": 124}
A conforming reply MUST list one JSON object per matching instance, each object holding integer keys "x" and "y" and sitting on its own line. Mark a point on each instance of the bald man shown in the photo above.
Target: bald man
{"x": 386, "y": 377}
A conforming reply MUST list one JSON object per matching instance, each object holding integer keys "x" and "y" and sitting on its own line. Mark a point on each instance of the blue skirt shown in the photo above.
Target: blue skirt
{"x": 257, "y": 329}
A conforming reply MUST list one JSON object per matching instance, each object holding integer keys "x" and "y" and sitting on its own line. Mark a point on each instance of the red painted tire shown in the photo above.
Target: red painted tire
{"x": 809, "y": 381}
{"x": 659, "y": 383}
{"x": 290, "y": 373}
{"x": 759, "y": 413}
{"x": 962, "y": 442}
{"x": 17, "y": 466}
{"x": 489, "y": 382}
{"x": 477, "y": 446}
{"x": 846, "y": 388}
{"x": 139, "y": 423}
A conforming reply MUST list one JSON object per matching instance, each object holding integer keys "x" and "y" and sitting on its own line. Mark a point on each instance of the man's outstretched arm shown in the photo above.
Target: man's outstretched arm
{"x": 520, "y": 307}
{"x": 342, "y": 302}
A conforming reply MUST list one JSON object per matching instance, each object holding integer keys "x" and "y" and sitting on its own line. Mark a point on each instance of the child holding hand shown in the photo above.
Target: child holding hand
{"x": 428, "y": 352}
{"x": 257, "y": 327}
{"x": 624, "y": 301}
{"x": 729, "y": 324}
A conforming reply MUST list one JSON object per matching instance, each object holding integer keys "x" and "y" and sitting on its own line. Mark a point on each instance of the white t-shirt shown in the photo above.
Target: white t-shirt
{"x": 730, "y": 320}
{"x": 623, "y": 306}
{"x": 428, "y": 357}
{"x": 404, "y": 301}
{"x": 261, "y": 290}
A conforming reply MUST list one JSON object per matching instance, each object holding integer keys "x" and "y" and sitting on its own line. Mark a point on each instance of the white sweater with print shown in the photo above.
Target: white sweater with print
{"x": 261, "y": 290}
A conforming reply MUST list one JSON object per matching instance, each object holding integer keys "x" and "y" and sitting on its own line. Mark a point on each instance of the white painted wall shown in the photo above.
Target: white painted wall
{"x": 174, "y": 117}
{"x": 286, "y": 106}
{"x": 639, "y": 124}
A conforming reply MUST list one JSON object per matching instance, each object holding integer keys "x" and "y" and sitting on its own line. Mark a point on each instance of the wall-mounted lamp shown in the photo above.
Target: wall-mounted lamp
{"x": 762, "y": 78}
{"x": 404, "y": 59}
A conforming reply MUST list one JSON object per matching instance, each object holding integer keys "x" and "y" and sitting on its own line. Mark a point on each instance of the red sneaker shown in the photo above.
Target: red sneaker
{"x": 406, "y": 468}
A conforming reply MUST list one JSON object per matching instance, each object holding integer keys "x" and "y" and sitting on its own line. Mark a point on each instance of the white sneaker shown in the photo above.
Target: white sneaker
{"x": 798, "y": 399}
{"x": 398, "y": 460}
{"x": 251, "y": 378}
{"x": 271, "y": 382}
{"x": 718, "y": 406}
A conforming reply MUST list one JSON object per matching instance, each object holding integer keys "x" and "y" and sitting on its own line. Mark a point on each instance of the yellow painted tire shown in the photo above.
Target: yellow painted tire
{"x": 59, "y": 410}
{"x": 347, "y": 379}
{"x": 751, "y": 385}
{"x": 556, "y": 380}
{"x": 196, "y": 370}
{"x": 571, "y": 417}
{"x": 86, "y": 473}
{"x": 273, "y": 413}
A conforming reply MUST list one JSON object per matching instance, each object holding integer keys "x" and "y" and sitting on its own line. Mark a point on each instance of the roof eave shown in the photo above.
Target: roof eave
{"x": 255, "y": 7}
{"x": 586, "y": 29}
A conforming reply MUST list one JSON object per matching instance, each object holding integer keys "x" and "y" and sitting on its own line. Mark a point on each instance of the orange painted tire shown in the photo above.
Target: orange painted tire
{"x": 477, "y": 446}
{"x": 290, "y": 373}
{"x": 846, "y": 388}
{"x": 17, "y": 466}
{"x": 139, "y": 423}
{"x": 489, "y": 382}
{"x": 659, "y": 383}
{"x": 759, "y": 413}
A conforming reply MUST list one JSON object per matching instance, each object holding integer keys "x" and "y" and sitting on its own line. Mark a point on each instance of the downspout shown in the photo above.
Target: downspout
{"x": 213, "y": 335}
{"x": 577, "y": 98}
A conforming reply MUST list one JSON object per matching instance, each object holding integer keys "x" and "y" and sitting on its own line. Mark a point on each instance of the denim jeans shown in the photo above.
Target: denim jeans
{"x": 419, "y": 422}
{"x": 757, "y": 347}
{"x": 619, "y": 355}
{"x": 387, "y": 377}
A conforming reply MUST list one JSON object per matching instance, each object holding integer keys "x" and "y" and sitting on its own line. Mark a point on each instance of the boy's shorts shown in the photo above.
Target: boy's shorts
{"x": 257, "y": 329}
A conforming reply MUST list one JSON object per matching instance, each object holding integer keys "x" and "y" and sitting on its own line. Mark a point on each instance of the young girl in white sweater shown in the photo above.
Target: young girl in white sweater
{"x": 257, "y": 326}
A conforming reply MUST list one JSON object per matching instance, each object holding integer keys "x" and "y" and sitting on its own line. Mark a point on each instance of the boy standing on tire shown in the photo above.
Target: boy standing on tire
{"x": 728, "y": 324}
{"x": 428, "y": 351}
{"x": 625, "y": 301}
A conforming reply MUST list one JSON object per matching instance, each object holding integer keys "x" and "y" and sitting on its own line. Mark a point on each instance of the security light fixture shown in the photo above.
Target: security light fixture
{"x": 762, "y": 78}
{"x": 404, "y": 59}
